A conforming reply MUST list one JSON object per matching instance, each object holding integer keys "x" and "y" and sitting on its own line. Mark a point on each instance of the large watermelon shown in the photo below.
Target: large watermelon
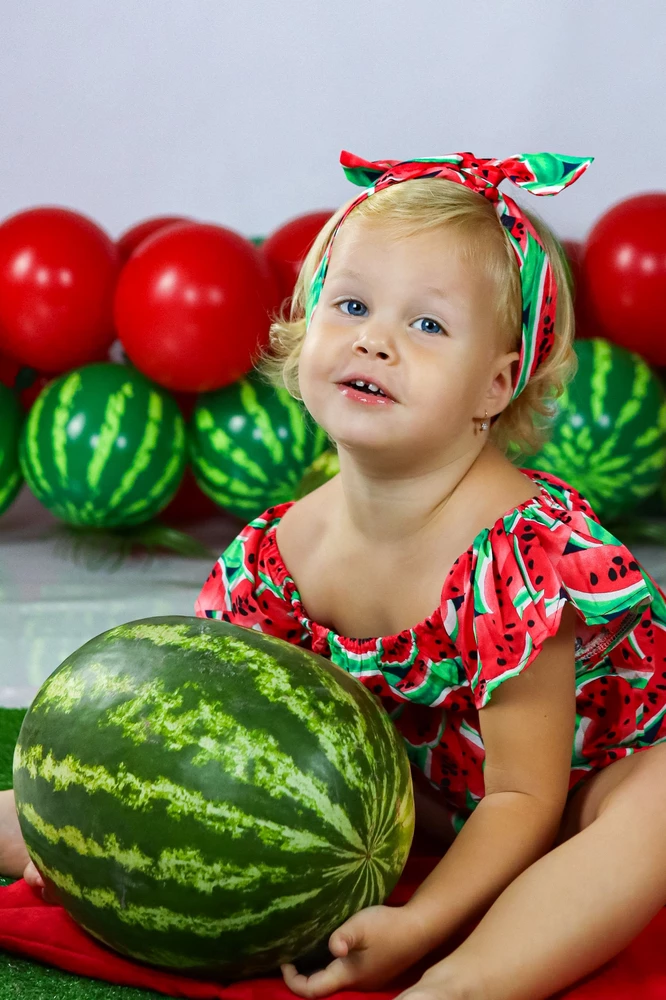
{"x": 209, "y": 798}
{"x": 609, "y": 436}
{"x": 250, "y": 445}
{"x": 104, "y": 446}
{"x": 10, "y": 429}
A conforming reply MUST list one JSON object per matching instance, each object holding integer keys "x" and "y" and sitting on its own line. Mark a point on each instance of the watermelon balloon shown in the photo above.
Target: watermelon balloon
{"x": 103, "y": 446}
{"x": 203, "y": 797}
{"x": 609, "y": 436}
{"x": 250, "y": 445}
{"x": 10, "y": 430}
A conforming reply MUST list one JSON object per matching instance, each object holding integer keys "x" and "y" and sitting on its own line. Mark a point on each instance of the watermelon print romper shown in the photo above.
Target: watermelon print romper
{"x": 500, "y": 601}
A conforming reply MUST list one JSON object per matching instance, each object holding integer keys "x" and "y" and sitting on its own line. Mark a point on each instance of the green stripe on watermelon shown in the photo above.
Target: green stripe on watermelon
{"x": 609, "y": 435}
{"x": 11, "y": 419}
{"x": 250, "y": 445}
{"x": 103, "y": 446}
{"x": 29, "y": 453}
{"x": 114, "y": 410}
{"x": 68, "y": 390}
{"x": 207, "y": 797}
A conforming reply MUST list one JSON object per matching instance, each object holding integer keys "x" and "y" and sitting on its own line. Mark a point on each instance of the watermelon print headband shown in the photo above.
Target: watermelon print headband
{"x": 538, "y": 173}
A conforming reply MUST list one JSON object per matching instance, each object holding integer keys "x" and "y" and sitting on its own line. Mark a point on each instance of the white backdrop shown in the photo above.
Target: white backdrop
{"x": 236, "y": 110}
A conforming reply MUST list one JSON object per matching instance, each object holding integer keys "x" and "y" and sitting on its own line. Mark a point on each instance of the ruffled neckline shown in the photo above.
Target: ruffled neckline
{"x": 449, "y": 588}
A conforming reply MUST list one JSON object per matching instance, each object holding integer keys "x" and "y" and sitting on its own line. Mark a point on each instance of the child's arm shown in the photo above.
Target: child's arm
{"x": 527, "y": 730}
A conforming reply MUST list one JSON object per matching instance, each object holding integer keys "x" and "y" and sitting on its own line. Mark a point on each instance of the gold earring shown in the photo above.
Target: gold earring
{"x": 484, "y": 422}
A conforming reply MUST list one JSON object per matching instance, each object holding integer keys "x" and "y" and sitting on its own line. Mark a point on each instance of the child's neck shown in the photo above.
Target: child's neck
{"x": 388, "y": 510}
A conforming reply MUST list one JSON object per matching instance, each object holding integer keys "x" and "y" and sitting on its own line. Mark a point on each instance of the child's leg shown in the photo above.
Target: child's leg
{"x": 13, "y": 855}
{"x": 576, "y": 907}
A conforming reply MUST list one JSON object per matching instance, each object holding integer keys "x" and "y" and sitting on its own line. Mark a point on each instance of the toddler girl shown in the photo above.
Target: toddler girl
{"x": 517, "y": 645}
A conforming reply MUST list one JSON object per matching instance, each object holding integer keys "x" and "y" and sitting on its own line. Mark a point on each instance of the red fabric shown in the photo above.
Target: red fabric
{"x": 30, "y": 927}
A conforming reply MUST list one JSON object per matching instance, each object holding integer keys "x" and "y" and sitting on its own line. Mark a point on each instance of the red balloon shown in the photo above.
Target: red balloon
{"x": 192, "y": 306}
{"x": 624, "y": 270}
{"x": 58, "y": 270}
{"x": 288, "y": 246}
{"x": 133, "y": 237}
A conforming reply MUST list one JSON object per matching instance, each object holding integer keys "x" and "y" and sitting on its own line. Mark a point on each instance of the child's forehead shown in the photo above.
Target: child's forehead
{"x": 362, "y": 240}
{"x": 363, "y": 247}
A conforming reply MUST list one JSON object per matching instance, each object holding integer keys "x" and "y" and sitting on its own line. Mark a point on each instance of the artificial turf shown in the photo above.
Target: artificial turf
{"x": 21, "y": 979}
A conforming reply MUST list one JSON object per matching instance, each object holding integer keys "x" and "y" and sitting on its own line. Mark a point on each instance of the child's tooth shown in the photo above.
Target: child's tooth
{"x": 375, "y": 388}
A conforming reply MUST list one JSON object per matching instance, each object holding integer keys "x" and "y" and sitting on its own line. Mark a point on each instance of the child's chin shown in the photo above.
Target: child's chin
{"x": 359, "y": 439}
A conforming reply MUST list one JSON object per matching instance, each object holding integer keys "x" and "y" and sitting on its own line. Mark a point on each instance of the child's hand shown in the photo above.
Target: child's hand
{"x": 370, "y": 948}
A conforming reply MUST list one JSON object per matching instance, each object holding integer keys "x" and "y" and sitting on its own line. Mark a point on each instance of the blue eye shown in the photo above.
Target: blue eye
{"x": 432, "y": 322}
{"x": 352, "y": 302}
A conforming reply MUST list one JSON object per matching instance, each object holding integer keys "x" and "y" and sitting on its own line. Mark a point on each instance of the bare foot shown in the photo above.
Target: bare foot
{"x": 13, "y": 853}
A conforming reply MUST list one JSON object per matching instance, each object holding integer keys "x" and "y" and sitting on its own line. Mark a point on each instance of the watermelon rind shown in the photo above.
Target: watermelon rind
{"x": 208, "y": 798}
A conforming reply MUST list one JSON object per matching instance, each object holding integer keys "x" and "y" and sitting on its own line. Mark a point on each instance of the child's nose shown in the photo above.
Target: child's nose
{"x": 376, "y": 336}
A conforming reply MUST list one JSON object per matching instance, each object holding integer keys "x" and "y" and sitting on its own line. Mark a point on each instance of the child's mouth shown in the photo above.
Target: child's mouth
{"x": 362, "y": 394}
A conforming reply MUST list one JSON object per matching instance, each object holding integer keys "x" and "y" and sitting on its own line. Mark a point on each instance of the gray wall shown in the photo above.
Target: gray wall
{"x": 236, "y": 110}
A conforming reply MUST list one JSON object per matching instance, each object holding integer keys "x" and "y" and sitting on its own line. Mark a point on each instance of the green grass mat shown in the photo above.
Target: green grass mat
{"x": 21, "y": 979}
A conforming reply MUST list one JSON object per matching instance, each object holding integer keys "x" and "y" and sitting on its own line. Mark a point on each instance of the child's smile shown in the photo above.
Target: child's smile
{"x": 364, "y": 394}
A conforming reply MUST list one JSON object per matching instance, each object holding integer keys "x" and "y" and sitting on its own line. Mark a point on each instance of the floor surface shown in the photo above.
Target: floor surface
{"x": 51, "y": 604}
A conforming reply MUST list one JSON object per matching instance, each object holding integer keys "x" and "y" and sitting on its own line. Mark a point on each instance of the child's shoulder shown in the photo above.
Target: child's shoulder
{"x": 559, "y": 492}
{"x": 508, "y": 489}
{"x": 302, "y": 525}
{"x": 493, "y": 491}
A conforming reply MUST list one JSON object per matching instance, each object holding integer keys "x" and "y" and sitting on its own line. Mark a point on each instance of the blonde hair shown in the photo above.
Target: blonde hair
{"x": 425, "y": 204}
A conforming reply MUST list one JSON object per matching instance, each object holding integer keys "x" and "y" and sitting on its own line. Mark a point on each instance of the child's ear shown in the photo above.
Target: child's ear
{"x": 501, "y": 387}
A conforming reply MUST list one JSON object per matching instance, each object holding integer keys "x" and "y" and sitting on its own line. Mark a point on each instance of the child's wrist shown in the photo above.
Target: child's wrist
{"x": 419, "y": 931}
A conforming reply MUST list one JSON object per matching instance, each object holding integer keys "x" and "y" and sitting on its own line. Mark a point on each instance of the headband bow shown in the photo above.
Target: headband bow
{"x": 538, "y": 173}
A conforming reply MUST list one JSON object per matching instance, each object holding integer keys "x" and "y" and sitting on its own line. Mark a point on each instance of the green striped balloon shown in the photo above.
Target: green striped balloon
{"x": 250, "y": 445}
{"x": 103, "y": 446}
{"x": 10, "y": 430}
{"x": 208, "y": 798}
{"x": 609, "y": 436}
